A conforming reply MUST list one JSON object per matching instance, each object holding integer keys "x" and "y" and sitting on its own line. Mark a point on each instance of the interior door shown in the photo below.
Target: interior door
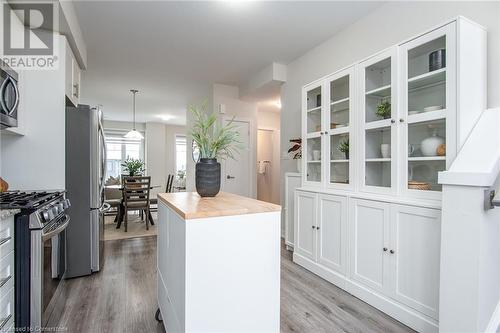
{"x": 305, "y": 224}
{"x": 332, "y": 232}
{"x": 237, "y": 174}
{"x": 370, "y": 243}
{"x": 416, "y": 242}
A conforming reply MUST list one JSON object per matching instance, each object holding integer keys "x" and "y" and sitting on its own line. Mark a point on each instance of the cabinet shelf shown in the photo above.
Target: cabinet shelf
{"x": 382, "y": 159}
{"x": 427, "y": 116}
{"x": 426, "y": 158}
{"x": 378, "y": 124}
{"x": 380, "y": 92}
{"x": 313, "y": 161}
{"x": 427, "y": 80}
{"x": 314, "y": 109}
{"x": 340, "y": 101}
{"x": 339, "y": 161}
{"x": 337, "y": 131}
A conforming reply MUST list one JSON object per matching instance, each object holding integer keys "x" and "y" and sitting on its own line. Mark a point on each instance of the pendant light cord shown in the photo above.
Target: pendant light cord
{"x": 134, "y": 91}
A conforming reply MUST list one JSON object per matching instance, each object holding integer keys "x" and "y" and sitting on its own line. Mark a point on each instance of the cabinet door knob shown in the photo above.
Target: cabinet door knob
{"x": 393, "y": 121}
{"x": 392, "y": 251}
{"x": 385, "y": 249}
{"x": 401, "y": 120}
{"x": 313, "y": 227}
{"x": 317, "y": 228}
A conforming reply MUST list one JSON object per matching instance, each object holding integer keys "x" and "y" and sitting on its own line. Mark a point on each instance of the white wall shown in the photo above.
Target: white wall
{"x": 156, "y": 157}
{"x": 268, "y": 118}
{"x": 386, "y": 26}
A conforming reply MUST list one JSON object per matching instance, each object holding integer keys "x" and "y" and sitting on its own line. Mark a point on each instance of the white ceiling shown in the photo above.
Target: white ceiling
{"x": 173, "y": 51}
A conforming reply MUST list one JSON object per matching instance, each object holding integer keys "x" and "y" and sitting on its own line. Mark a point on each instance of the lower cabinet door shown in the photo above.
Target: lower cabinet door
{"x": 370, "y": 259}
{"x": 416, "y": 239}
{"x": 305, "y": 224}
{"x": 332, "y": 232}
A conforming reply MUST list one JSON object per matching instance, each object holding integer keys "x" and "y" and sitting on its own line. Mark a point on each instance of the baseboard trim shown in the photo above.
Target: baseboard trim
{"x": 396, "y": 310}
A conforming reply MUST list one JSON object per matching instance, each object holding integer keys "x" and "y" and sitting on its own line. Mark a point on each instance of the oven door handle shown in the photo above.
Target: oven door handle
{"x": 57, "y": 230}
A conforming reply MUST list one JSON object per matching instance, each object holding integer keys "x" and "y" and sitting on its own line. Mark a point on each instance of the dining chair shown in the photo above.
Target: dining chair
{"x": 168, "y": 189}
{"x": 136, "y": 196}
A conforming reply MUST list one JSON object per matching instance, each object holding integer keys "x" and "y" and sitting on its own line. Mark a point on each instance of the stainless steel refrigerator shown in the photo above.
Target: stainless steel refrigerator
{"x": 85, "y": 177}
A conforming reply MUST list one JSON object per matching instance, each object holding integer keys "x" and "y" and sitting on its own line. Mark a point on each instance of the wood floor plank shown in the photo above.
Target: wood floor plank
{"x": 122, "y": 297}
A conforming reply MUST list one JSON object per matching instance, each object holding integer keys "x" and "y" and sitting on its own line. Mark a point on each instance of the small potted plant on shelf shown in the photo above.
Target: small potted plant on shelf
{"x": 213, "y": 141}
{"x": 344, "y": 148}
{"x": 295, "y": 151}
{"x": 132, "y": 166}
{"x": 384, "y": 109}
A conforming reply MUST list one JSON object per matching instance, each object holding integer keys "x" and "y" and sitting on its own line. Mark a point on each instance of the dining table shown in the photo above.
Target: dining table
{"x": 121, "y": 211}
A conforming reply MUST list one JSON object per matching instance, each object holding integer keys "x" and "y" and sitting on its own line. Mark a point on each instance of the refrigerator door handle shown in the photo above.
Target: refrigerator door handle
{"x": 103, "y": 162}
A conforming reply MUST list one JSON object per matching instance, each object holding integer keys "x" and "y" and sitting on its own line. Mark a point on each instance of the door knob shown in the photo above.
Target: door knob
{"x": 393, "y": 121}
{"x": 230, "y": 177}
{"x": 385, "y": 249}
{"x": 392, "y": 251}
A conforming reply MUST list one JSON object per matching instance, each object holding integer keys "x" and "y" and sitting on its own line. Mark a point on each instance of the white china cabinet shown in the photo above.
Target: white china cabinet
{"x": 376, "y": 134}
{"x": 328, "y": 132}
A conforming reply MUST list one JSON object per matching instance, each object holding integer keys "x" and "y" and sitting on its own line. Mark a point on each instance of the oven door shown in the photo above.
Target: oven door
{"x": 51, "y": 281}
{"x": 9, "y": 98}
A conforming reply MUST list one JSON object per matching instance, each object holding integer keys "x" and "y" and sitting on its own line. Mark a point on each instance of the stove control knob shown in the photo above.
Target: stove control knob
{"x": 55, "y": 210}
{"x": 60, "y": 206}
{"x": 45, "y": 215}
{"x": 66, "y": 203}
{"x": 50, "y": 214}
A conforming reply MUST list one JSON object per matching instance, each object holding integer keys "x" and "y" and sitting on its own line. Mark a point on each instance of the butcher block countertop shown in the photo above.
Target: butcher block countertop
{"x": 189, "y": 205}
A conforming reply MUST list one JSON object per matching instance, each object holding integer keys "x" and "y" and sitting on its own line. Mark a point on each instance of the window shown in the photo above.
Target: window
{"x": 118, "y": 149}
{"x": 180, "y": 154}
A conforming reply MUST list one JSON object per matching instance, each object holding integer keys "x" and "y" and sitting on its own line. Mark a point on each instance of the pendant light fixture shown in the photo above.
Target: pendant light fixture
{"x": 134, "y": 134}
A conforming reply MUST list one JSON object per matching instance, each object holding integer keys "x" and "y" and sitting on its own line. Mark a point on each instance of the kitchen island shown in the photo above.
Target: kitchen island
{"x": 218, "y": 263}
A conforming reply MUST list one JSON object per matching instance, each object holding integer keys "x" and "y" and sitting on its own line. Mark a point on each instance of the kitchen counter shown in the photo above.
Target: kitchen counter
{"x": 189, "y": 205}
{"x": 6, "y": 213}
{"x": 218, "y": 263}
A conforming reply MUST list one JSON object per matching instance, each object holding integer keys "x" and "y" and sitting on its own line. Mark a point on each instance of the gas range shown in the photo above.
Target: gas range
{"x": 43, "y": 207}
{"x": 40, "y": 253}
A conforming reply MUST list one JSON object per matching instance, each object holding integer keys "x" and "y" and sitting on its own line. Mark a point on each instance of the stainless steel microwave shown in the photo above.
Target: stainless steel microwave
{"x": 9, "y": 96}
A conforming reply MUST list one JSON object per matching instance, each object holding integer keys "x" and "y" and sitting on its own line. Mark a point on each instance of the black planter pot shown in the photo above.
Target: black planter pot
{"x": 207, "y": 177}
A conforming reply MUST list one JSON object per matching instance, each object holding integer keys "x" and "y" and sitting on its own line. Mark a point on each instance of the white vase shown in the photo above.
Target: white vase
{"x": 429, "y": 145}
{"x": 299, "y": 165}
{"x": 385, "y": 150}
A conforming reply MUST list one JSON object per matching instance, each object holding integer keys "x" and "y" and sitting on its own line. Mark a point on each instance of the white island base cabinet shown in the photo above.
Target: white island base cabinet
{"x": 386, "y": 254}
{"x": 218, "y": 273}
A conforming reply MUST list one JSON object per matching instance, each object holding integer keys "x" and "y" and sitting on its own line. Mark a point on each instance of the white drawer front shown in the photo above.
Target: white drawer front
{"x": 6, "y": 236}
{"x": 7, "y": 311}
{"x": 6, "y": 273}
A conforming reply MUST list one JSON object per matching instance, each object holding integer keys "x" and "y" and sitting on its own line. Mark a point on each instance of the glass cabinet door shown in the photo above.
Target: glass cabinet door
{"x": 313, "y": 144}
{"x": 379, "y": 110}
{"x": 425, "y": 103}
{"x": 339, "y": 127}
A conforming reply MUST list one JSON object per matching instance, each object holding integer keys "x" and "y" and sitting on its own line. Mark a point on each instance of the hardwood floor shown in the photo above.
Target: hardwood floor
{"x": 122, "y": 297}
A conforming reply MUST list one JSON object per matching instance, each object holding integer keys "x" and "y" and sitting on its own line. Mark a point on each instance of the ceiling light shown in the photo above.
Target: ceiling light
{"x": 166, "y": 117}
{"x": 134, "y": 134}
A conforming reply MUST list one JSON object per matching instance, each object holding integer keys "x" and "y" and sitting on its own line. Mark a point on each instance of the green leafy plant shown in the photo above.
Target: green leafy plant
{"x": 384, "y": 109}
{"x": 132, "y": 166}
{"x": 213, "y": 139}
{"x": 295, "y": 150}
{"x": 344, "y": 147}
